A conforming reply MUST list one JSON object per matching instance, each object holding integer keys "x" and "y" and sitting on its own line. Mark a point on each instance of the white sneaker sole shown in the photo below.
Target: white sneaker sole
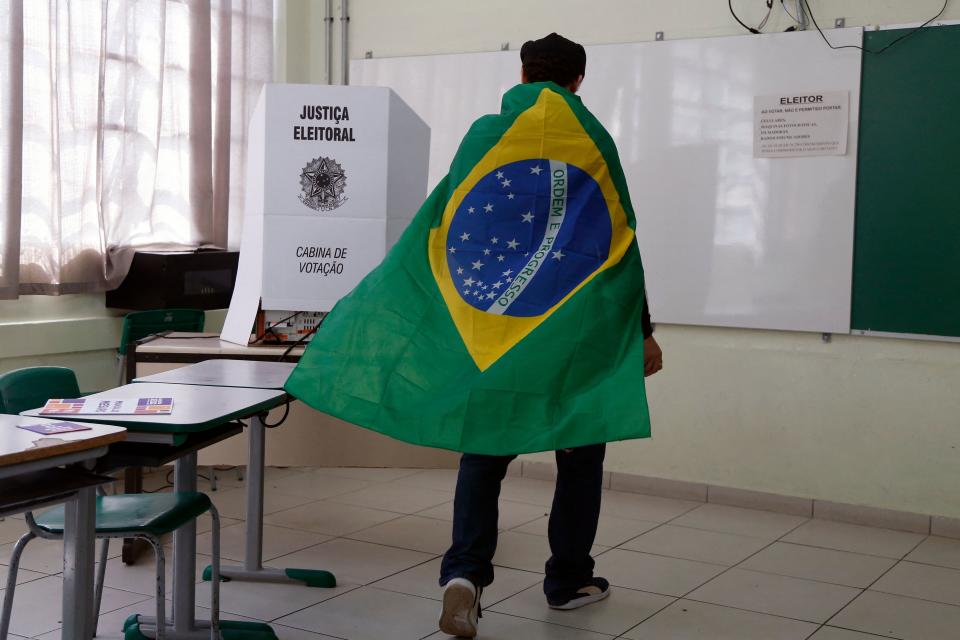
{"x": 456, "y": 619}
{"x": 580, "y": 602}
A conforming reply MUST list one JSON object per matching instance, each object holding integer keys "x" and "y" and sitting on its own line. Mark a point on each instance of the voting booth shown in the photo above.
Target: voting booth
{"x": 334, "y": 175}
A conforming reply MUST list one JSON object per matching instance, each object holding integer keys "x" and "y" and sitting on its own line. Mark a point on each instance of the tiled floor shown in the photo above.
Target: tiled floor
{"x": 682, "y": 570}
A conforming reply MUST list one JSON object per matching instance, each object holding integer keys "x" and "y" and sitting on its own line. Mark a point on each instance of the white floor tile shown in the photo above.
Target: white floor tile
{"x": 697, "y": 544}
{"x": 371, "y": 474}
{"x": 277, "y": 541}
{"x": 825, "y": 565}
{"x": 141, "y": 577}
{"x": 855, "y": 538}
{"x": 620, "y": 611}
{"x": 528, "y": 491}
{"x": 923, "y": 581}
{"x": 11, "y": 529}
{"x": 833, "y": 633}
{"x": 332, "y": 518}
{"x": 410, "y": 532}
{"x": 423, "y": 581}
{"x": 899, "y": 617}
{"x": 23, "y": 575}
{"x": 395, "y": 497}
{"x": 289, "y": 633}
{"x": 314, "y": 485}
{"x": 942, "y": 552}
{"x": 266, "y": 601}
{"x": 440, "y": 479}
{"x": 46, "y": 556}
{"x": 637, "y": 506}
{"x": 497, "y": 626}
{"x": 656, "y": 574}
{"x": 525, "y": 551}
{"x": 36, "y": 605}
{"x": 744, "y": 522}
{"x": 369, "y": 614}
{"x": 776, "y": 595}
{"x": 611, "y": 531}
{"x": 354, "y": 562}
{"x": 232, "y": 503}
{"x": 689, "y": 620}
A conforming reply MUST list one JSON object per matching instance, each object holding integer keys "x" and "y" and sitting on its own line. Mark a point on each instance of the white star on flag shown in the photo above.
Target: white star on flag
{"x": 500, "y": 257}
{"x": 471, "y": 210}
{"x": 494, "y": 240}
{"x": 509, "y": 279}
{"x": 469, "y": 282}
{"x": 536, "y": 170}
{"x": 459, "y": 271}
{"x": 497, "y": 284}
{"x": 464, "y": 236}
{"x": 513, "y": 244}
{"x": 486, "y": 252}
{"x": 505, "y": 182}
{"x": 480, "y": 283}
{"x": 508, "y": 272}
{"x": 510, "y": 196}
{"x": 527, "y": 217}
{"x": 500, "y": 174}
{"x": 453, "y": 249}
{"x": 488, "y": 208}
{"x": 477, "y": 264}
{"x": 558, "y": 255}
{"x": 490, "y": 296}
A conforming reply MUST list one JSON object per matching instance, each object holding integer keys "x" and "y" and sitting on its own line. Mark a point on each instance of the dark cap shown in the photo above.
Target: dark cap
{"x": 556, "y": 46}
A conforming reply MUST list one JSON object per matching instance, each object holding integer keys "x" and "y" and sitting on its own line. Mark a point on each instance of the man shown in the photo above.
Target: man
{"x": 468, "y": 565}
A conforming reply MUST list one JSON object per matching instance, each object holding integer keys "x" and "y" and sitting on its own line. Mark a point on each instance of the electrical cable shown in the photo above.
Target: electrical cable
{"x": 865, "y": 50}
{"x": 737, "y": 18}
{"x": 273, "y": 326}
{"x": 298, "y": 342}
{"x": 286, "y": 412}
{"x": 783, "y": 4}
{"x": 763, "y": 23}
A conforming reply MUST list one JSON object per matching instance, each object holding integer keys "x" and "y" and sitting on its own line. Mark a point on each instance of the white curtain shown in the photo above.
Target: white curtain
{"x": 122, "y": 127}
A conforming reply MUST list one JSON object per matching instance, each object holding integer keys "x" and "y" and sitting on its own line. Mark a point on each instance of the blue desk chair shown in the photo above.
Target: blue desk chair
{"x": 146, "y": 516}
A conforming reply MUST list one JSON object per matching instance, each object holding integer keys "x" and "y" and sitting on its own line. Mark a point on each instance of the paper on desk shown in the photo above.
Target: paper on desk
{"x": 107, "y": 406}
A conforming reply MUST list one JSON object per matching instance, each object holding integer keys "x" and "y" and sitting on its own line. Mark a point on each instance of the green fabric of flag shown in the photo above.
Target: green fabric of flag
{"x": 507, "y": 318}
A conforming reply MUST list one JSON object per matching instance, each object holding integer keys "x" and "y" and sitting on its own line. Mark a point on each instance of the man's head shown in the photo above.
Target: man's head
{"x": 554, "y": 58}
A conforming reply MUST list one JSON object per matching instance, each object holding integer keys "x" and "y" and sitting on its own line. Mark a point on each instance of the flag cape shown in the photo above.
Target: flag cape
{"x": 507, "y": 318}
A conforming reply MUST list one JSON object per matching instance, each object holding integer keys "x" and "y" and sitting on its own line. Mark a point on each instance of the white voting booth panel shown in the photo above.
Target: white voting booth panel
{"x": 334, "y": 175}
{"x": 727, "y": 239}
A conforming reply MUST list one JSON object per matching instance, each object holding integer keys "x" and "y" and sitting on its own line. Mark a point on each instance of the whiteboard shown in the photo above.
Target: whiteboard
{"x": 727, "y": 239}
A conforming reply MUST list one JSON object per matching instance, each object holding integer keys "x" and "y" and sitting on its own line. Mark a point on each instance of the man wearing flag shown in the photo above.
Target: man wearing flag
{"x": 510, "y": 318}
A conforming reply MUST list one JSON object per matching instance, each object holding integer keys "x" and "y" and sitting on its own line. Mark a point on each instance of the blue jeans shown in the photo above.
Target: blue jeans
{"x": 572, "y": 528}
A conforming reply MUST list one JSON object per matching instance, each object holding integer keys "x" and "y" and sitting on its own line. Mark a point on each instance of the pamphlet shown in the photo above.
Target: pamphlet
{"x": 108, "y": 406}
{"x": 53, "y": 428}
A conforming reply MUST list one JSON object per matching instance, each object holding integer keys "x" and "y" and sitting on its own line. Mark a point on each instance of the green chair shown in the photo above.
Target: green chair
{"x": 140, "y": 324}
{"x": 146, "y": 516}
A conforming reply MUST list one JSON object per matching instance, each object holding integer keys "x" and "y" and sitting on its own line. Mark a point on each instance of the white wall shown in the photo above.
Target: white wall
{"x": 860, "y": 420}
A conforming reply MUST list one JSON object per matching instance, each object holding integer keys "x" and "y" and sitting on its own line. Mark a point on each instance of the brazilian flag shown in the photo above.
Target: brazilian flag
{"x": 507, "y": 318}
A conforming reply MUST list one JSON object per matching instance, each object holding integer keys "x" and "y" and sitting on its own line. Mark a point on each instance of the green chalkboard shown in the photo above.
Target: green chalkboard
{"x": 906, "y": 266}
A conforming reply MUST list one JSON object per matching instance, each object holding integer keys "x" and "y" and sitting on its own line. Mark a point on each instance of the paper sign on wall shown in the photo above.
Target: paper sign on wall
{"x": 803, "y": 124}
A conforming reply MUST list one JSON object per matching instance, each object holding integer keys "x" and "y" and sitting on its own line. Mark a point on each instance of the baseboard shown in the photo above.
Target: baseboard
{"x": 944, "y": 526}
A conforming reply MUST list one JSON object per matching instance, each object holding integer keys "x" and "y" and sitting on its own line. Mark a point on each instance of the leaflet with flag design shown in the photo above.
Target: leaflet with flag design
{"x": 107, "y": 406}
{"x": 507, "y": 318}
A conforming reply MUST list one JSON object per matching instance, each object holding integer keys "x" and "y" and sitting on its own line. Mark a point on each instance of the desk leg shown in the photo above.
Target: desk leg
{"x": 78, "y": 566}
{"x": 185, "y": 626}
{"x": 184, "y": 551}
{"x": 252, "y": 568}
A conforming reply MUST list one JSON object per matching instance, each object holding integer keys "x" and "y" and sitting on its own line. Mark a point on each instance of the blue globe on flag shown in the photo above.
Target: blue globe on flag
{"x": 526, "y": 235}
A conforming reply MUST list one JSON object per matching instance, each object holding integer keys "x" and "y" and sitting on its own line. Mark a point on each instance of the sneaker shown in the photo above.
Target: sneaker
{"x": 461, "y": 608}
{"x": 595, "y": 590}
